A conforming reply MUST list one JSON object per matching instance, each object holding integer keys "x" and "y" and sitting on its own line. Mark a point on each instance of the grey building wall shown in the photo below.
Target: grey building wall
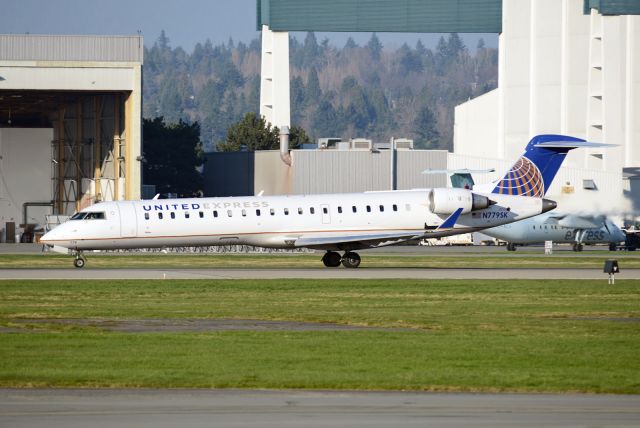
{"x": 29, "y": 47}
{"x": 321, "y": 171}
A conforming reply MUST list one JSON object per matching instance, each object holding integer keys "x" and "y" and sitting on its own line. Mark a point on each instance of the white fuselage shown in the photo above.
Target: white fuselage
{"x": 544, "y": 228}
{"x": 274, "y": 221}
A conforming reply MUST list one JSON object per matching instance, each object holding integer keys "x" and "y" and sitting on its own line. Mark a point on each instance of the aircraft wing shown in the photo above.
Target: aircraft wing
{"x": 372, "y": 240}
{"x": 357, "y": 241}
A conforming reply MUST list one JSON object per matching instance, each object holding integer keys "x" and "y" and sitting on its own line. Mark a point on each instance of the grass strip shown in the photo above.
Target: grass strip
{"x": 499, "y": 335}
{"x": 293, "y": 261}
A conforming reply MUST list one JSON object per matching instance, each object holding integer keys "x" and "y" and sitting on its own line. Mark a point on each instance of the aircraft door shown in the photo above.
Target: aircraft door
{"x": 128, "y": 219}
{"x": 326, "y": 214}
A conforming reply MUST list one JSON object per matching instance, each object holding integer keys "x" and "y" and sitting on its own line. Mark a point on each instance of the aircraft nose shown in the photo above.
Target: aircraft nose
{"x": 548, "y": 205}
{"x": 47, "y": 237}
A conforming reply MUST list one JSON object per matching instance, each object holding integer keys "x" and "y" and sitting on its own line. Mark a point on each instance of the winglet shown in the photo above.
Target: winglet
{"x": 451, "y": 220}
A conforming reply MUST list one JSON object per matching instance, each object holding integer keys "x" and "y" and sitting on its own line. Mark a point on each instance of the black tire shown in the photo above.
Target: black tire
{"x": 351, "y": 260}
{"x": 613, "y": 247}
{"x": 511, "y": 246}
{"x": 79, "y": 263}
{"x": 331, "y": 259}
{"x": 578, "y": 247}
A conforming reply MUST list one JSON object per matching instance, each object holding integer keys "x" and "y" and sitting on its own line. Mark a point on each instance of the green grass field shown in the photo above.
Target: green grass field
{"x": 498, "y": 335}
{"x": 520, "y": 259}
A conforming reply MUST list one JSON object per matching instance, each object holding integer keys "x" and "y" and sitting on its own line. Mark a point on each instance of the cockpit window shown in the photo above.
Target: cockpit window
{"x": 78, "y": 216}
{"x": 95, "y": 216}
{"x": 88, "y": 216}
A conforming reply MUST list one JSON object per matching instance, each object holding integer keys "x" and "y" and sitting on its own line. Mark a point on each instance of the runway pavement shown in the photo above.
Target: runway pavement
{"x": 58, "y": 408}
{"x": 316, "y": 273}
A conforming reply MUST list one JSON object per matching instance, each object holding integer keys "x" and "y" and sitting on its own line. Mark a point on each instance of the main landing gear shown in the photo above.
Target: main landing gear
{"x": 333, "y": 259}
{"x": 511, "y": 246}
{"x": 79, "y": 260}
{"x": 577, "y": 247}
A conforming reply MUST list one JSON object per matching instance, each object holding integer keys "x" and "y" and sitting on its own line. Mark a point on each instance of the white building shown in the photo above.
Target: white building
{"x": 561, "y": 72}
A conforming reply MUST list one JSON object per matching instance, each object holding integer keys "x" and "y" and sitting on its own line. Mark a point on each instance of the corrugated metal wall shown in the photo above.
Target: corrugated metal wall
{"x": 27, "y": 47}
{"x": 613, "y": 7}
{"x": 321, "y": 171}
{"x": 414, "y": 16}
{"x": 337, "y": 171}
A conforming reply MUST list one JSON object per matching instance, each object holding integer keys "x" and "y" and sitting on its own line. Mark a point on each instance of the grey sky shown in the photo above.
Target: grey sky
{"x": 185, "y": 22}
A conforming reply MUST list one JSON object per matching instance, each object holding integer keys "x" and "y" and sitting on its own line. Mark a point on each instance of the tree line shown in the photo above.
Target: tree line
{"x": 353, "y": 91}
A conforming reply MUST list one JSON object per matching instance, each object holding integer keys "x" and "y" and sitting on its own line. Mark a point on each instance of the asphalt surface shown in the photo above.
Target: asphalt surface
{"x": 56, "y": 408}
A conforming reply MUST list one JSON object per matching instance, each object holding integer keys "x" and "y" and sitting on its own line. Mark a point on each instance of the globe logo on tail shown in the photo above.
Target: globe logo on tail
{"x": 523, "y": 179}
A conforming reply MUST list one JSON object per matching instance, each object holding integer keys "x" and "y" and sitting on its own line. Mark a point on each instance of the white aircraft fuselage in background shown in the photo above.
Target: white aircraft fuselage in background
{"x": 571, "y": 229}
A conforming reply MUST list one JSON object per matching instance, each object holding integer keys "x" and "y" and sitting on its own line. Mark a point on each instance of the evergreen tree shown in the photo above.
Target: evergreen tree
{"x": 297, "y": 137}
{"x": 251, "y": 133}
{"x": 313, "y": 92}
{"x": 310, "y": 50}
{"x": 351, "y": 44}
{"x": 374, "y": 47}
{"x": 425, "y": 129}
{"x": 297, "y": 99}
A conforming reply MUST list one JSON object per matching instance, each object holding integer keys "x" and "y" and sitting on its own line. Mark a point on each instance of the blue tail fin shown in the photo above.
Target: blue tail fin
{"x": 534, "y": 171}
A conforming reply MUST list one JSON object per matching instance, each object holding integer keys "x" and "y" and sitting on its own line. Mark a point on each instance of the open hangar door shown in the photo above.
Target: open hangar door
{"x": 60, "y": 151}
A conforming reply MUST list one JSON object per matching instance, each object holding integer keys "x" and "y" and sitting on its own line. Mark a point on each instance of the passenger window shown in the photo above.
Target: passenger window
{"x": 146, "y": 216}
{"x": 258, "y": 213}
{"x": 173, "y": 215}
{"x": 244, "y": 213}
{"x": 340, "y": 210}
{"x": 381, "y": 208}
{"x": 312, "y": 210}
{"x": 286, "y": 211}
{"x": 160, "y": 216}
{"x": 354, "y": 209}
{"x": 395, "y": 207}
{"x": 215, "y": 213}
{"x": 186, "y": 214}
{"x": 272, "y": 211}
{"x": 368, "y": 208}
{"x": 300, "y": 211}
{"x": 201, "y": 214}
{"x": 230, "y": 213}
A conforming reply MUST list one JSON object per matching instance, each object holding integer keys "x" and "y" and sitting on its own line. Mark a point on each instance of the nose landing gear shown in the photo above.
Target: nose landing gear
{"x": 333, "y": 259}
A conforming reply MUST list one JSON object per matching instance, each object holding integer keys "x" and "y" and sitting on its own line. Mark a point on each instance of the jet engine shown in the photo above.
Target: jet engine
{"x": 447, "y": 201}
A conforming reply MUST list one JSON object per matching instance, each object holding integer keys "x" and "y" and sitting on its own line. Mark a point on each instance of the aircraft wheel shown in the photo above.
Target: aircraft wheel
{"x": 331, "y": 259}
{"x": 79, "y": 262}
{"x": 351, "y": 260}
{"x": 511, "y": 246}
{"x": 577, "y": 247}
{"x": 613, "y": 247}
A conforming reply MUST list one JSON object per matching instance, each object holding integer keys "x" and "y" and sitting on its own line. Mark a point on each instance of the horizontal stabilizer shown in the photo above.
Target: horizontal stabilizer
{"x": 458, "y": 171}
{"x": 571, "y": 145}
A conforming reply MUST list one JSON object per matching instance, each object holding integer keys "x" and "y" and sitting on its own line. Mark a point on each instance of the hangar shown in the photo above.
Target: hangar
{"x": 70, "y": 125}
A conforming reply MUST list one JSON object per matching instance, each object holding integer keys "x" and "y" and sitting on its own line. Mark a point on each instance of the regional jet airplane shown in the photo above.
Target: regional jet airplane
{"x": 564, "y": 228}
{"x": 330, "y": 222}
